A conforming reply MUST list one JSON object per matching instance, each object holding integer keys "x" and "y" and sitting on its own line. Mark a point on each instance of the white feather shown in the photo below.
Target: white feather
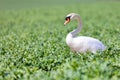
{"x": 82, "y": 43}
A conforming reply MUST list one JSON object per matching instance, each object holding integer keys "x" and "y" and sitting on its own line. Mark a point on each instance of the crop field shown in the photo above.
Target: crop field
{"x": 32, "y": 40}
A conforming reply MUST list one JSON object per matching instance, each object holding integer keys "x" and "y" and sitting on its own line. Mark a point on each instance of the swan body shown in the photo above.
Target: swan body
{"x": 81, "y": 43}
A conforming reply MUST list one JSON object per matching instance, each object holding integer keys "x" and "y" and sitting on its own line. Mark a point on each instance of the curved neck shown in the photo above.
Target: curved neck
{"x": 76, "y": 31}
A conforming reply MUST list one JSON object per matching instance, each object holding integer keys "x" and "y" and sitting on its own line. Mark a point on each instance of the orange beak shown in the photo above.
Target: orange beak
{"x": 67, "y": 21}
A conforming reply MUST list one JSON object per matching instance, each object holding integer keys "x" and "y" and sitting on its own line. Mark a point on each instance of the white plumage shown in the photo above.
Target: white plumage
{"x": 81, "y": 43}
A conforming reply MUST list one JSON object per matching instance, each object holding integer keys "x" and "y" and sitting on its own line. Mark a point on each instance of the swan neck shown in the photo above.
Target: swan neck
{"x": 76, "y": 31}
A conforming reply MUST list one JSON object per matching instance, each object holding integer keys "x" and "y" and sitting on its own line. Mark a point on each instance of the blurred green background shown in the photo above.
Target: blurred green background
{"x": 32, "y": 40}
{"x": 18, "y": 4}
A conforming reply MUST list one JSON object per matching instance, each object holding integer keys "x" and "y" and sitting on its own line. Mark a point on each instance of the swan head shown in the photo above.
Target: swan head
{"x": 71, "y": 16}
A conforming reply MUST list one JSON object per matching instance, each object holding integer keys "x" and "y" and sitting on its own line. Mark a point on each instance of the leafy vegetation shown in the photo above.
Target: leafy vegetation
{"x": 32, "y": 41}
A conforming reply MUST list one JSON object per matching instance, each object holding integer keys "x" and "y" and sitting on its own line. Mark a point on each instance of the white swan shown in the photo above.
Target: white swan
{"x": 81, "y": 43}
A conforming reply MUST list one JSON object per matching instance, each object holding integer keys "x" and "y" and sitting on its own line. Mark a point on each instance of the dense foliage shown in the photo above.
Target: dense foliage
{"x": 33, "y": 47}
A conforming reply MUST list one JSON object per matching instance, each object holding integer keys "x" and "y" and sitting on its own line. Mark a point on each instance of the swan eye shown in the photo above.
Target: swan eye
{"x": 67, "y": 18}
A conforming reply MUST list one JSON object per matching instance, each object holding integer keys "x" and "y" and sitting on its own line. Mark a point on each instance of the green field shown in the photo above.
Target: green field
{"x": 32, "y": 40}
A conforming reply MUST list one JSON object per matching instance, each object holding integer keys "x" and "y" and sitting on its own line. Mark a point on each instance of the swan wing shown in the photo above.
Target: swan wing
{"x": 83, "y": 44}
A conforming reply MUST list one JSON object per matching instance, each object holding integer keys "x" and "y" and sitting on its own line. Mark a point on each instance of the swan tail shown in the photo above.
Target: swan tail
{"x": 103, "y": 47}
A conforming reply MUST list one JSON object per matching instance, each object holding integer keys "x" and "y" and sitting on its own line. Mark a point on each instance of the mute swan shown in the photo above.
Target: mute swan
{"x": 81, "y": 43}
